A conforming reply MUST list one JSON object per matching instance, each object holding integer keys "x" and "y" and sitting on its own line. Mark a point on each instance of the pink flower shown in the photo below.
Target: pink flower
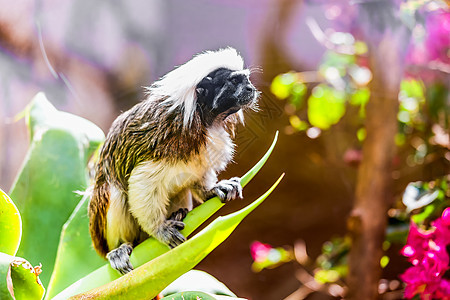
{"x": 353, "y": 157}
{"x": 417, "y": 243}
{"x": 434, "y": 264}
{"x": 414, "y": 284}
{"x": 259, "y": 251}
{"x": 442, "y": 231}
{"x": 432, "y": 49}
{"x": 443, "y": 291}
{"x": 427, "y": 251}
{"x": 420, "y": 281}
{"x": 446, "y": 216}
{"x": 438, "y": 40}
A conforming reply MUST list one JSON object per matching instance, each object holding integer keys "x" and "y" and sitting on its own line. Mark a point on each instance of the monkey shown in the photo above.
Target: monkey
{"x": 166, "y": 152}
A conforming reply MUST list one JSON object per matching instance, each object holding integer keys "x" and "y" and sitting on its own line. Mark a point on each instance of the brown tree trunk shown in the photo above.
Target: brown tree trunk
{"x": 367, "y": 223}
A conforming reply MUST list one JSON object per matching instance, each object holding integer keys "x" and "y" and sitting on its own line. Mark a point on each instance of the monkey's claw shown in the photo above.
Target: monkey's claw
{"x": 169, "y": 233}
{"x": 119, "y": 258}
{"x": 228, "y": 190}
{"x": 179, "y": 215}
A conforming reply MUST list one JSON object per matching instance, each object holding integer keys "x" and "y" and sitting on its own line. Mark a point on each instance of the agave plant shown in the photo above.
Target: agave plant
{"x": 51, "y": 230}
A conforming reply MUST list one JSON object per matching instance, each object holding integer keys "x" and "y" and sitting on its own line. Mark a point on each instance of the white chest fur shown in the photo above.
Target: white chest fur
{"x": 219, "y": 149}
{"x": 171, "y": 178}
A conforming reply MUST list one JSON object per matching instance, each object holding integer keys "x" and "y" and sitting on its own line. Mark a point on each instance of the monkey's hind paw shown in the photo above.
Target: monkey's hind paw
{"x": 179, "y": 215}
{"x": 169, "y": 233}
{"x": 228, "y": 190}
{"x": 119, "y": 258}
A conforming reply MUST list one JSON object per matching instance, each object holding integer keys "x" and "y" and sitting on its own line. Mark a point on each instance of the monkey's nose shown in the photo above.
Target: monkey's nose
{"x": 249, "y": 88}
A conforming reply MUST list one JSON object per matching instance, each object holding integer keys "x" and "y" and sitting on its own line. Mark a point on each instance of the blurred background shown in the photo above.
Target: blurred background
{"x": 93, "y": 58}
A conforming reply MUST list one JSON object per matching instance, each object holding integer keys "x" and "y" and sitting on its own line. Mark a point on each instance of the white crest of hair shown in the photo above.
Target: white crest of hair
{"x": 178, "y": 86}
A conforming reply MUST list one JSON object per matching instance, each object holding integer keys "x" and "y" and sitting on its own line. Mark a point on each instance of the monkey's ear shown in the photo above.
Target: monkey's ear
{"x": 201, "y": 92}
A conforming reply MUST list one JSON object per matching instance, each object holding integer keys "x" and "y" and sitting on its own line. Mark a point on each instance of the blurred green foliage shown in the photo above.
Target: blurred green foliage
{"x": 341, "y": 80}
{"x": 320, "y": 99}
{"x": 332, "y": 262}
{"x": 326, "y": 106}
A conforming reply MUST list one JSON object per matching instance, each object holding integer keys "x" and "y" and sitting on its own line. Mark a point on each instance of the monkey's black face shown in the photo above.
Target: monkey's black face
{"x": 224, "y": 92}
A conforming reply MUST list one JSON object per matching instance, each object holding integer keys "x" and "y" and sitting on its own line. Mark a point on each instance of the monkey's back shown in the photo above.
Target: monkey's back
{"x": 145, "y": 133}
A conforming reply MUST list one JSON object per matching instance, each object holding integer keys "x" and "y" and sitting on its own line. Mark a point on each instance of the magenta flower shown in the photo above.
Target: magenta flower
{"x": 446, "y": 216}
{"x": 442, "y": 231}
{"x": 436, "y": 45}
{"x": 443, "y": 290}
{"x": 427, "y": 252}
{"x": 265, "y": 256}
{"x": 417, "y": 243}
{"x": 414, "y": 282}
{"x": 259, "y": 251}
{"x": 438, "y": 40}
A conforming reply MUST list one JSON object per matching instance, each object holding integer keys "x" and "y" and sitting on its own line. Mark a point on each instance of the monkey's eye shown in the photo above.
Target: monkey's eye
{"x": 201, "y": 91}
{"x": 235, "y": 80}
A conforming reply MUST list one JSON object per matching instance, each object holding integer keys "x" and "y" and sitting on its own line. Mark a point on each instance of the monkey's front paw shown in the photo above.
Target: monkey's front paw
{"x": 169, "y": 233}
{"x": 119, "y": 258}
{"x": 228, "y": 190}
{"x": 179, "y": 215}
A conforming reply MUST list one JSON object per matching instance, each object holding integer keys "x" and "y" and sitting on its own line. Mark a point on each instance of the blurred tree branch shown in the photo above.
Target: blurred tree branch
{"x": 374, "y": 185}
{"x": 273, "y": 57}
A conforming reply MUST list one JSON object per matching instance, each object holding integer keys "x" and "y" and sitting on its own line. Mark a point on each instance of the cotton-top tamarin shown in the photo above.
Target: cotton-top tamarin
{"x": 165, "y": 151}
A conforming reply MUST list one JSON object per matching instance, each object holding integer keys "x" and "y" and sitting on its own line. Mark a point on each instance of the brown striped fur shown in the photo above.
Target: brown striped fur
{"x": 97, "y": 209}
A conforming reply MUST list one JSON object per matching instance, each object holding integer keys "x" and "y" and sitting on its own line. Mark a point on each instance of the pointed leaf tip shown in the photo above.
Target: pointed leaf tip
{"x": 253, "y": 171}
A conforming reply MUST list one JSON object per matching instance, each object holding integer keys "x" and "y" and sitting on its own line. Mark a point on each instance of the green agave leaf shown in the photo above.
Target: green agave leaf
{"x": 196, "y": 280}
{"x": 75, "y": 257}
{"x": 41, "y": 115}
{"x": 149, "y": 279}
{"x": 147, "y": 250}
{"x": 190, "y": 295}
{"x": 18, "y": 277}
{"x": 10, "y": 225}
{"x": 53, "y": 169}
{"x": 5, "y": 262}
